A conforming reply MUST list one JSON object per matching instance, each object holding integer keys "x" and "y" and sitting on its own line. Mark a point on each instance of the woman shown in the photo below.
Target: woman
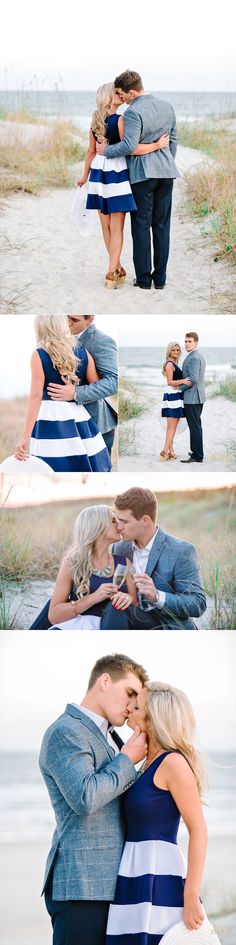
{"x": 61, "y": 433}
{"x": 172, "y": 412}
{"x": 154, "y": 888}
{"x": 85, "y": 580}
{"x": 109, "y": 188}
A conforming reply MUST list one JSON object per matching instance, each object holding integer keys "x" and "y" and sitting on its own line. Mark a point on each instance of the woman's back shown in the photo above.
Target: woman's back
{"x": 52, "y": 375}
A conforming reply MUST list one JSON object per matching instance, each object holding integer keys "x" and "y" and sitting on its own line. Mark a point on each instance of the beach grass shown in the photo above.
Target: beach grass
{"x": 46, "y": 159}
{"x": 12, "y": 413}
{"x": 227, "y": 387}
{"x": 130, "y": 405}
{"x": 35, "y": 539}
{"x": 211, "y": 190}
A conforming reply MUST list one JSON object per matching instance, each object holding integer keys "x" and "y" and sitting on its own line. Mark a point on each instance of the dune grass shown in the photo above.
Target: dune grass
{"x": 34, "y": 540}
{"x": 211, "y": 190}
{"x": 130, "y": 405}
{"x": 43, "y": 159}
{"x": 227, "y": 387}
{"x": 12, "y": 413}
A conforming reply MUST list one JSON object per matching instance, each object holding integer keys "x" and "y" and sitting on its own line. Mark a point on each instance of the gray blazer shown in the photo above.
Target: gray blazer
{"x": 145, "y": 120}
{"x": 85, "y": 782}
{"x": 174, "y": 568}
{"x": 194, "y": 366}
{"x": 96, "y": 396}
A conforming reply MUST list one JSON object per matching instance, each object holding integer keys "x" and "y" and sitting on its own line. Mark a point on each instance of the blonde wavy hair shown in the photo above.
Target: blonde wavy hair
{"x": 173, "y": 723}
{"x": 92, "y": 523}
{"x": 168, "y": 352}
{"x": 53, "y": 335}
{"x": 104, "y": 98}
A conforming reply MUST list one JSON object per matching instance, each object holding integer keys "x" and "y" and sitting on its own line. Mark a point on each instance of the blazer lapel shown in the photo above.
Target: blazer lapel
{"x": 88, "y": 723}
{"x": 155, "y": 552}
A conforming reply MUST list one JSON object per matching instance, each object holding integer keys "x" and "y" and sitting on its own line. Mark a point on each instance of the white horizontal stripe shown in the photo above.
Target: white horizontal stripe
{"x": 73, "y": 446}
{"x": 152, "y": 856}
{"x": 82, "y": 622}
{"x": 100, "y": 162}
{"x": 62, "y": 410}
{"x": 142, "y": 917}
{"x": 109, "y": 190}
{"x": 173, "y": 404}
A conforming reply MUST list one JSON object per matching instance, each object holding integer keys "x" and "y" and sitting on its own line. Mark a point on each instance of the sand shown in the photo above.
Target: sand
{"x": 24, "y": 920}
{"x": 25, "y": 601}
{"x": 146, "y": 437}
{"x": 48, "y": 266}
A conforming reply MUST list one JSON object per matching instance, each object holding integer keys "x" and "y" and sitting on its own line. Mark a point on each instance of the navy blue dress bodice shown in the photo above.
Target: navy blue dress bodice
{"x": 150, "y": 812}
{"x": 95, "y": 582}
{"x": 178, "y": 374}
{"x": 52, "y": 375}
{"x": 112, "y": 132}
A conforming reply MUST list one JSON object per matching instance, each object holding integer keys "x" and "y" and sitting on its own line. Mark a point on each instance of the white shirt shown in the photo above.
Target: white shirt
{"x": 102, "y": 724}
{"x": 140, "y": 560}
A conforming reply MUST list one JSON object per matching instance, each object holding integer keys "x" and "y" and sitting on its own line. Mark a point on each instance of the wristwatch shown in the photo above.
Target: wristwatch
{"x": 157, "y": 597}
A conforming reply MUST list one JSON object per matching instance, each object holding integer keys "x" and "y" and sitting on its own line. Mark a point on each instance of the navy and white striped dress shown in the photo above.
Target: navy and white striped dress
{"x": 64, "y": 435}
{"x": 150, "y": 885}
{"x": 173, "y": 400}
{"x": 109, "y": 188}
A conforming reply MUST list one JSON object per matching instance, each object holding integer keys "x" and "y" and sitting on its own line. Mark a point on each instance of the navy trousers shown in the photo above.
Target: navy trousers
{"x": 109, "y": 439}
{"x": 77, "y": 922}
{"x": 193, "y": 417}
{"x": 153, "y": 200}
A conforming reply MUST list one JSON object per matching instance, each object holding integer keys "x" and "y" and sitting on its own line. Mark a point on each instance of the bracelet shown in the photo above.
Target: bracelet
{"x": 73, "y": 605}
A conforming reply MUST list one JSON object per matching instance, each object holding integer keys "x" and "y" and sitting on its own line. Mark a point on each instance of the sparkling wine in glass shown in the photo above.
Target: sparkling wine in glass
{"x": 119, "y": 575}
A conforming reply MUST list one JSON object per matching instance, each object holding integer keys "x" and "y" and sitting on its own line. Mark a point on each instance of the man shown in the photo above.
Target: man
{"x": 194, "y": 367}
{"x": 86, "y": 769}
{"x": 151, "y": 176}
{"x": 166, "y": 569}
{"x": 94, "y": 396}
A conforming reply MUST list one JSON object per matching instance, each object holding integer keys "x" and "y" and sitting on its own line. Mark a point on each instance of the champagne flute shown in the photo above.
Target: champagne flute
{"x": 119, "y": 575}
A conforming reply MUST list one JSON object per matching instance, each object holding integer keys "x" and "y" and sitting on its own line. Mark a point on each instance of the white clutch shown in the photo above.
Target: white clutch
{"x": 83, "y": 218}
{"x": 180, "y": 935}
{"x": 30, "y": 465}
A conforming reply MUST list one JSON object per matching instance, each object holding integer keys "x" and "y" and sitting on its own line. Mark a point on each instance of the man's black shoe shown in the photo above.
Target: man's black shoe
{"x": 159, "y": 286}
{"x": 140, "y": 285}
{"x": 191, "y": 460}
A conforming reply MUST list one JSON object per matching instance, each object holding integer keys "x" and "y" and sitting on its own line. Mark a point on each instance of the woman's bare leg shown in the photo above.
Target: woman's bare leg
{"x": 105, "y": 221}
{"x": 170, "y": 433}
{"x": 116, "y": 241}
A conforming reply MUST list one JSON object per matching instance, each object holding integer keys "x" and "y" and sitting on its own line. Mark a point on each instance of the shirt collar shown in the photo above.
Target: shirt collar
{"x": 146, "y": 547}
{"x": 98, "y": 720}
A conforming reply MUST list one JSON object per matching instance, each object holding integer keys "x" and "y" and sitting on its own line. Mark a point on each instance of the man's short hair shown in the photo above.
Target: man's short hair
{"x": 192, "y": 334}
{"x": 128, "y": 80}
{"x": 118, "y": 666}
{"x": 139, "y": 501}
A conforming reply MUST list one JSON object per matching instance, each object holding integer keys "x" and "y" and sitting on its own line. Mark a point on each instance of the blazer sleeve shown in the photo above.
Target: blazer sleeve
{"x": 106, "y": 361}
{"x": 71, "y": 764}
{"x": 173, "y": 137}
{"x": 132, "y": 133}
{"x": 187, "y": 599}
{"x": 194, "y": 369}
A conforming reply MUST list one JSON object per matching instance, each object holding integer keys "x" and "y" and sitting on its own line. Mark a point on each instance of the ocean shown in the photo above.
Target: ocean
{"x": 26, "y": 815}
{"x": 79, "y": 105}
{"x": 143, "y": 366}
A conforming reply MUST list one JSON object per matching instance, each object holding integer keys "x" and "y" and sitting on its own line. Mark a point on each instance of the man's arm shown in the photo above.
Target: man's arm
{"x": 106, "y": 360}
{"x": 71, "y": 764}
{"x": 132, "y": 133}
{"x": 193, "y": 372}
{"x": 173, "y": 137}
{"x": 188, "y": 597}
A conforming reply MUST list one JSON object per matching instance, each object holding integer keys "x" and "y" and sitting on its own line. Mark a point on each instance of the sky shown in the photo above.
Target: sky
{"x": 31, "y": 489}
{"x": 128, "y": 330}
{"x": 40, "y": 673}
{"x": 188, "y": 47}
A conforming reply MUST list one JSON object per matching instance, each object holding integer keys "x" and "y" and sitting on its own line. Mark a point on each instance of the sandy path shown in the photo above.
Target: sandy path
{"x": 147, "y": 437}
{"x": 48, "y": 266}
